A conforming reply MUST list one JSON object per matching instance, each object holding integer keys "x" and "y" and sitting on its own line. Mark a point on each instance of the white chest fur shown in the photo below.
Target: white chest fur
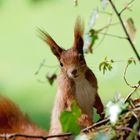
{"x": 85, "y": 94}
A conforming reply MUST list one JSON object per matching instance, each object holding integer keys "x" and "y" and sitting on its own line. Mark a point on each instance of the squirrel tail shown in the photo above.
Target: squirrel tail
{"x": 12, "y": 120}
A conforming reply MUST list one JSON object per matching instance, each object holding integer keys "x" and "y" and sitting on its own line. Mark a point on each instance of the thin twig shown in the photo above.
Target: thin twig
{"x": 106, "y": 30}
{"x": 105, "y": 12}
{"x": 42, "y": 64}
{"x": 125, "y": 30}
{"x": 126, "y": 7}
{"x": 124, "y": 128}
{"x": 136, "y": 109}
{"x": 124, "y": 77}
{"x": 95, "y": 125}
{"x": 111, "y": 35}
{"x": 107, "y": 26}
{"x": 42, "y": 81}
{"x": 130, "y": 94}
{"x": 127, "y": 129}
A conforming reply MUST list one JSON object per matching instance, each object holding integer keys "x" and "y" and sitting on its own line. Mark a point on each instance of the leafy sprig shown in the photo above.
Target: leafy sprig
{"x": 106, "y": 65}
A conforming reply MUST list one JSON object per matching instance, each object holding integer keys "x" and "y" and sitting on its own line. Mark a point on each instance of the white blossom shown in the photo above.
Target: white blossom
{"x": 113, "y": 111}
{"x": 82, "y": 137}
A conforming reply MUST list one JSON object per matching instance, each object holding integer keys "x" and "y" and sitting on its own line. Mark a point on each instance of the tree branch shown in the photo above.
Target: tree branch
{"x": 8, "y": 136}
{"x": 126, "y": 7}
{"x": 124, "y": 28}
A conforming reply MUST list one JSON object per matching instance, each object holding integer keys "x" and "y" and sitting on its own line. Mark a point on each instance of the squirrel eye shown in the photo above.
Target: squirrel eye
{"x": 61, "y": 64}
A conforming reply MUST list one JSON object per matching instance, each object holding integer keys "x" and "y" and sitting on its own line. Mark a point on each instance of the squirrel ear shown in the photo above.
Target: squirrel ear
{"x": 78, "y": 35}
{"x": 53, "y": 45}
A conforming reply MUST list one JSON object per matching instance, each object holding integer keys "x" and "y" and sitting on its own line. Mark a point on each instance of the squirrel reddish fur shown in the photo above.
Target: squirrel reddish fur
{"x": 12, "y": 120}
{"x": 75, "y": 82}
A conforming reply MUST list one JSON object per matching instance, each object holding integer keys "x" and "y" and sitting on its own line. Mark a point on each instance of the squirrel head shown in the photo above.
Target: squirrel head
{"x": 72, "y": 61}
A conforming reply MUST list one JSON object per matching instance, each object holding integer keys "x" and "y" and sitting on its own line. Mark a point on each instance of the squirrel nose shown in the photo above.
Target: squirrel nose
{"x": 74, "y": 71}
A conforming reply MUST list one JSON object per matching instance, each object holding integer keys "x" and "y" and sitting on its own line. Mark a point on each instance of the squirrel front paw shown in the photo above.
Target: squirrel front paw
{"x": 85, "y": 121}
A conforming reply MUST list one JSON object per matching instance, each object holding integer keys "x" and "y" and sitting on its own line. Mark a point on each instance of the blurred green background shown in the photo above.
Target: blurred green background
{"x": 21, "y": 51}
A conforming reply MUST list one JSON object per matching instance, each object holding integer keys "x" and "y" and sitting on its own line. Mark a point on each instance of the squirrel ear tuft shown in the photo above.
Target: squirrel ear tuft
{"x": 53, "y": 45}
{"x": 78, "y": 35}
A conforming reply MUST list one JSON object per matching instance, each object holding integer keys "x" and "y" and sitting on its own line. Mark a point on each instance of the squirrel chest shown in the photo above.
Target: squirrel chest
{"x": 85, "y": 95}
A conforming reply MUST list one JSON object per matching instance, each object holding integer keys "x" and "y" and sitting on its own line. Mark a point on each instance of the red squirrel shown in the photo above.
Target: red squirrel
{"x": 75, "y": 82}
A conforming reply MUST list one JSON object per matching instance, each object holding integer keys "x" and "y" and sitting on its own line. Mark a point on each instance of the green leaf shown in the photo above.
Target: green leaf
{"x": 104, "y": 69}
{"x": 106, "y": 65}
{"x": 131, "y": 60}
{"x": 112, "y": 61}
{"x": 51, "y": 78}
{"x": 75, "y": 2}
{"x": 93, "y": 35}
{"x": 100, "y": 65}
{"x": 75, "y": 109}
{"x": 69, "y": 119}
{"x": 109, "y": 67}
